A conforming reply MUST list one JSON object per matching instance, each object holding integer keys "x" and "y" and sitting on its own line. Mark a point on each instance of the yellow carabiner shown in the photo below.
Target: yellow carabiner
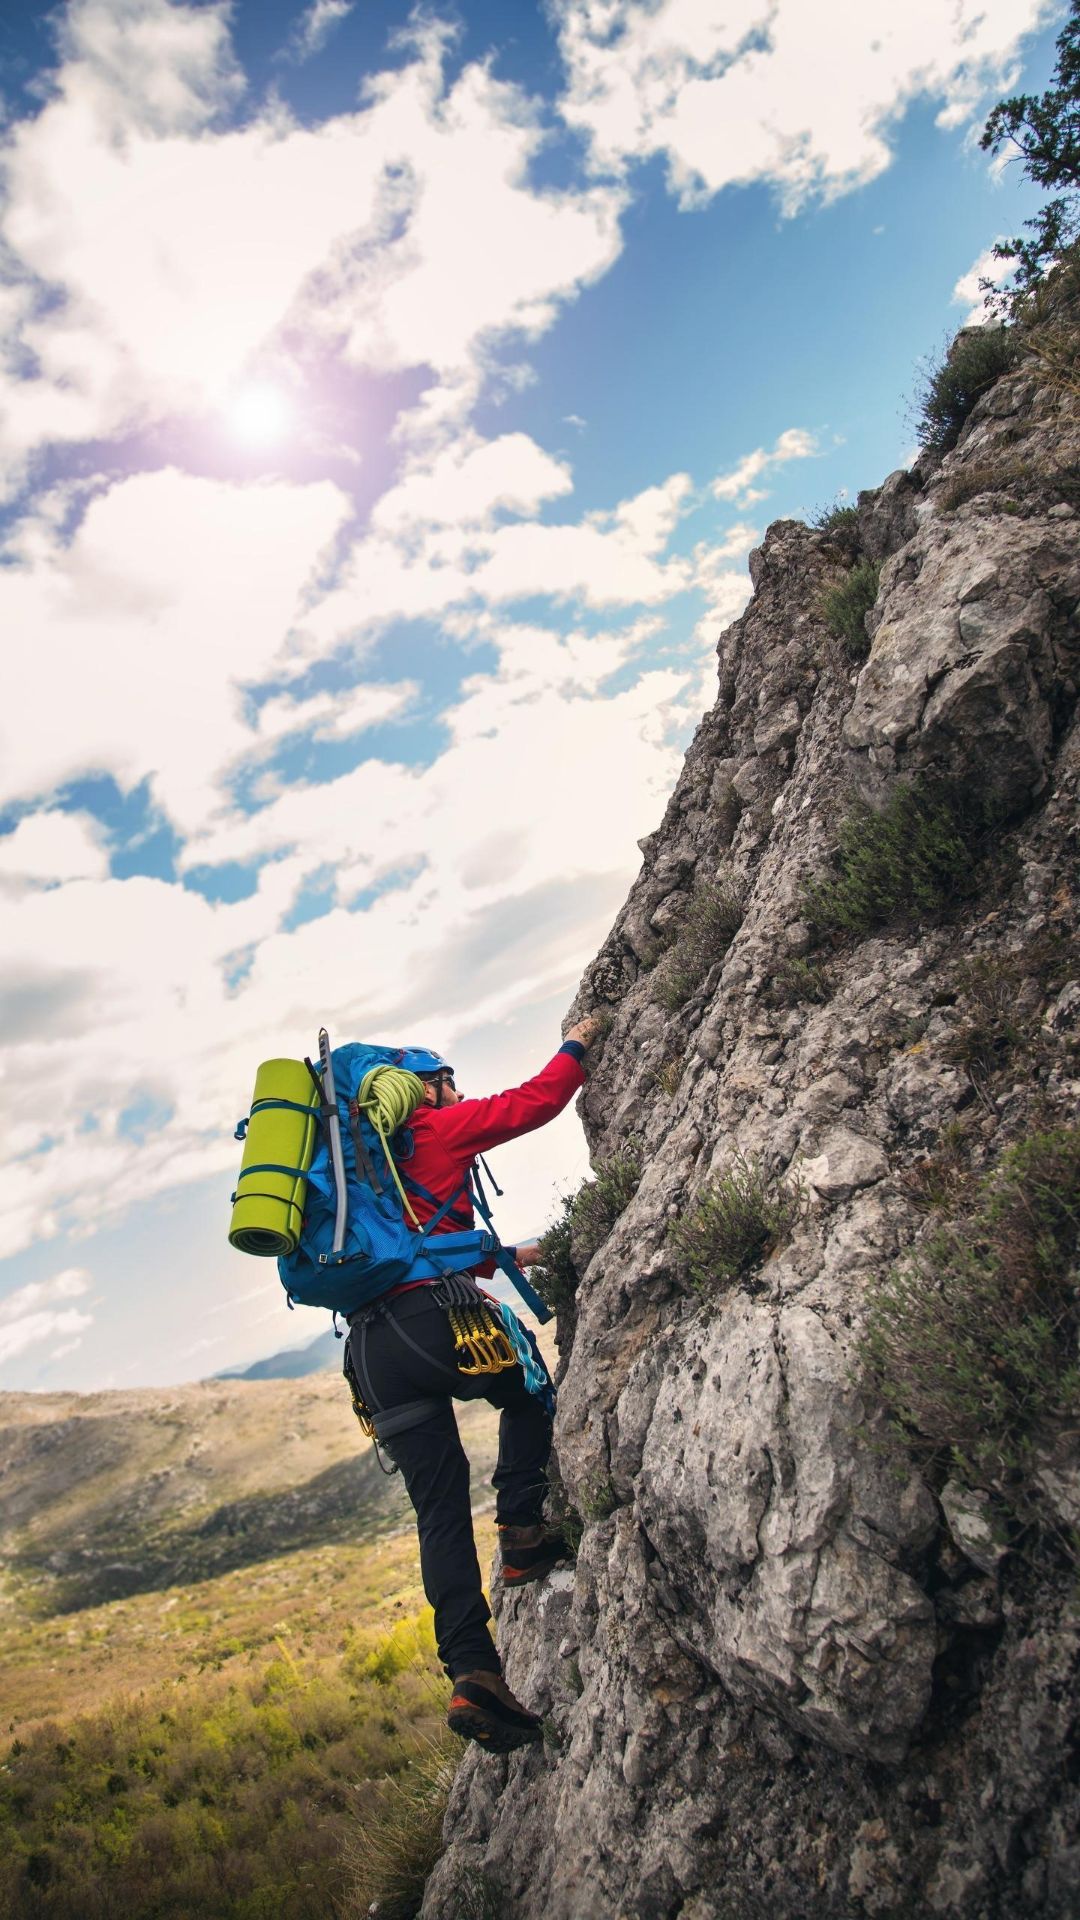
{"x": 504, "y": 1351}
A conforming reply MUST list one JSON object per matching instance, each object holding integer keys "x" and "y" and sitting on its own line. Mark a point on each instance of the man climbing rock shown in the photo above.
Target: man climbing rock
{"x": 405, "y": 1357}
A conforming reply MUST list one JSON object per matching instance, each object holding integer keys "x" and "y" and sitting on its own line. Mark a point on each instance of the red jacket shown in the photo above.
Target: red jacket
{"x": 445, "y": 1140}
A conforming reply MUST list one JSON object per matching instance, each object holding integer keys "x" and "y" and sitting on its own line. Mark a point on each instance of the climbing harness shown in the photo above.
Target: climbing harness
{"x": 488, "y": 1338}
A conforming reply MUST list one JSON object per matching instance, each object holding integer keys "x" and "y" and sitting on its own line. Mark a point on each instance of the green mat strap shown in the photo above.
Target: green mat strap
{"x": 269, "y": 1167}
{"x": 261, "y": 1106}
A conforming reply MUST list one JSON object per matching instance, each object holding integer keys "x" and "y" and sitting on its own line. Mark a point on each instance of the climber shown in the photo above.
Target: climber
{"x": 401, "y": 1352}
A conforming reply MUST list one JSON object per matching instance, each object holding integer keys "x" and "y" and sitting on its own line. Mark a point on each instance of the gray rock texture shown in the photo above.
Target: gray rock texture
{"x": 789, "y": 1675}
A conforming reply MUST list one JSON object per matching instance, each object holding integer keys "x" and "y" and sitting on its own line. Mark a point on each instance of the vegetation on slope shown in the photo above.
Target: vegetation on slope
{"x": 973, "y": 1343}
{"x": 228, "y": 1787}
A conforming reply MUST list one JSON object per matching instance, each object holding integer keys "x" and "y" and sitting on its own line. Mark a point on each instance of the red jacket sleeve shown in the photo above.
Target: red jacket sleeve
{"x": 474, "y": 1126}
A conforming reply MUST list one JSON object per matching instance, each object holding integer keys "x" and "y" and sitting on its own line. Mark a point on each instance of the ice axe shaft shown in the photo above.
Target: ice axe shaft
{"x": 337, "y": 1158}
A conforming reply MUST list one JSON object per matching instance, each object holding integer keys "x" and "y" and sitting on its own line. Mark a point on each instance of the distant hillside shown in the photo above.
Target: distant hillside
{"x": 292, "y": 1363}
{"x": 110, "y": 1494}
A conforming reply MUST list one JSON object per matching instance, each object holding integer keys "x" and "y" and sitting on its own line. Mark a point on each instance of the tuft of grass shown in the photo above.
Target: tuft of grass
{"x": 991, "y": 1030}
{"x": 394, "y": 1847}
{"x": 795, "y": 981}
{"x": 907, "y": 860}
{"x": 713, "y": 918}
{"x": 670, "y": 1075}
{"x": 1016, "y": 477}
{"x": 976, "y": 359}
{"x": 597, "y": 1499}
{"x": 994, "y": 1030}
{"x": 940, "y": 1179}
{"x": 737, "y": 1220}
{"x": 477, "y": 1896}
{"x": 973, "y": 1344}
{"x": 585, "y": 1220}
{"x": 837, "y": 518}
{"x": 844, "y": 607}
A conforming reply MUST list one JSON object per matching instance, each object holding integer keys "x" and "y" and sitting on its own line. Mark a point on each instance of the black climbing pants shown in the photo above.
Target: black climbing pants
{"x": 435, "y": 1467}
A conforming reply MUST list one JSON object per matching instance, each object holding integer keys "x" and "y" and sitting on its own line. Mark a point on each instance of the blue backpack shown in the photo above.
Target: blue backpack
{"x": 379, "y": 1249}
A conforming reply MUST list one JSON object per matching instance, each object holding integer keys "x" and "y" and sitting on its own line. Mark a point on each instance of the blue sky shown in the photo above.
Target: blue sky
{"x": 388, "y": 405}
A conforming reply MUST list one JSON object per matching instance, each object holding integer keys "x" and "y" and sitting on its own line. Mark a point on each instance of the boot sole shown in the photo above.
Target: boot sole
{"x": 471, "y": 1723}
{"x": 520, "y": 1576}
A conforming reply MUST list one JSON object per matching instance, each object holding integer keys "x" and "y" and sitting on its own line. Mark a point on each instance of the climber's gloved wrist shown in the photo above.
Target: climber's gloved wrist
{"x": 575, "y": 1049}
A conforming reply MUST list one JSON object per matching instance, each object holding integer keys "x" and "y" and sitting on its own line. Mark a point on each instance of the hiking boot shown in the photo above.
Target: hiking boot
{"x": 527, "y": 1553}
{"x": 483, "y": 1708}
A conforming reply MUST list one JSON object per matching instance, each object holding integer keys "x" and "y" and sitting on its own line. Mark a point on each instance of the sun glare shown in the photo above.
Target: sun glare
{"x": 259, "y": 415}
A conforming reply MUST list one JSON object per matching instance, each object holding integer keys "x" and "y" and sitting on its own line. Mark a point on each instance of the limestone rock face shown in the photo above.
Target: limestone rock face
{"x": 791, "y": 1674}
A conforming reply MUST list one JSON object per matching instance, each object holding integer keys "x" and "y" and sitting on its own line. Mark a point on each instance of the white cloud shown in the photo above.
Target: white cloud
{"x": 734, "y": 94}
{"x": 172, "y": 594}
{"x": 469, "y": 482}
{"x": 314, "y": 27}
{"x": 793, "y": 444}
{"x": 333, "y": 716}
{"x": 48, "y": 847}
{"x": 968, "y": 290}
{"x": 30, "y": 1314}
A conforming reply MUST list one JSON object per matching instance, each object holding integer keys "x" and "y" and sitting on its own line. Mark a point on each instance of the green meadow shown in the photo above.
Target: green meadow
{"x": 216, "y": 1658}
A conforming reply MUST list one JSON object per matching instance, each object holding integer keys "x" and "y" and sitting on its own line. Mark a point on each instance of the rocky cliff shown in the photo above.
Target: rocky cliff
{"x": 811, "y": 1660}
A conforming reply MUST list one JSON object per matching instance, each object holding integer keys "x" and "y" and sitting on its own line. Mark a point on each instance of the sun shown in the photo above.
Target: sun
{"x": 259, "y": 414}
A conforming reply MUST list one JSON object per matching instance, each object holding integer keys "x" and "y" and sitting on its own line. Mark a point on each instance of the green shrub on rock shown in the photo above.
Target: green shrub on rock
{"x": 976, "y": 359}
{"x": 908, "y": 859}
{"x": 710, "y": 924}
{"x": 737, "y": 1220}
{"x": 972, "y": 1344}
{"x": 844, "y": 607}
{"x": 584, "y": 1222}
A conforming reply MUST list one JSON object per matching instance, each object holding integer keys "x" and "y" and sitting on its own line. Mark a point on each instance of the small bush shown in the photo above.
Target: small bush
{"x": 1017, "y": 477}
{"x": 991, "y": 1031}
{"x": 838, "y": 518}
{"x": 735, "y": 1223}
{"x": 939, "y": 1179}
{"x": 555, "y": 1276}
{"x": 395, "y": 1846}
{"x": 976, "y": 359}
{"x": 845, "y": 606}
{"x": 795, "y": 981}
{"x": 712, "y": 920}
{"x": 584, "y": 1223}
{"x": 997, "y": 1026}
{"x": 600, "y": 1202}
{"x": 972, "y": 1345}
{"x": 911, "y": 858}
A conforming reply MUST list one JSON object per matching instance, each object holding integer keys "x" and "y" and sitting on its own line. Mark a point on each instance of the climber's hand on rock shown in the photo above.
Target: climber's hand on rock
{"x": 585, "y": 1031}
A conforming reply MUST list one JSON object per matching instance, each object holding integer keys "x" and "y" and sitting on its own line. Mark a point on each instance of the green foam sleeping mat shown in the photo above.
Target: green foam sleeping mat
{"x": 268, "y": 1206}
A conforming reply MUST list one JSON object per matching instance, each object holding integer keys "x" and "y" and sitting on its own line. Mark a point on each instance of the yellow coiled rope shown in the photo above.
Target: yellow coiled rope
{"x": 387, "y": 1096}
